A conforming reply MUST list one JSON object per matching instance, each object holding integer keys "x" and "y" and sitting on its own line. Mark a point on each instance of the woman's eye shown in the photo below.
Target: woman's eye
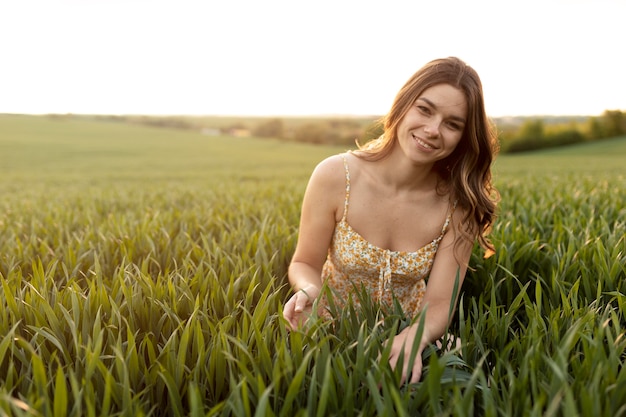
{"x": 424, "y": 109}
{"x": 454, "y": 126}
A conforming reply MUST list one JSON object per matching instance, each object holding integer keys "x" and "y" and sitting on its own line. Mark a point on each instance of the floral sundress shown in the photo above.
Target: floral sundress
{"x": 353, "y": 262}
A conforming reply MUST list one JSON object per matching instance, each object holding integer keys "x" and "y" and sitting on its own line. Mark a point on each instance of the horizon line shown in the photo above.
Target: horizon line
{"x": 265, "y": 116}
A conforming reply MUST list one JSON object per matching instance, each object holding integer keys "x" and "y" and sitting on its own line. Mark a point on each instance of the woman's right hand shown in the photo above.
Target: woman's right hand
{"x": 299, "y": 307}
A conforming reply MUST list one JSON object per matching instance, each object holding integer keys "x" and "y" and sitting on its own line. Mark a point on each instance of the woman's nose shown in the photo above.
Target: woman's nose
{"x": 432, "y": 129}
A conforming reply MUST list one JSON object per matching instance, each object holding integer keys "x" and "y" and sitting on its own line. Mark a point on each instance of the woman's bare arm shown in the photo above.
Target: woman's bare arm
{"x": 438, "y": 300}
{"x": 323, "y": 198}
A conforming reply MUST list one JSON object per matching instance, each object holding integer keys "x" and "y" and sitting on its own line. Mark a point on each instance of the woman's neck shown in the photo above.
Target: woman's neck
{"x": 400, "y": 174}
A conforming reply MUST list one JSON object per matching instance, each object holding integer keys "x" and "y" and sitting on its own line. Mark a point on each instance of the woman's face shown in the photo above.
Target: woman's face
{"x": 433, "y": 126}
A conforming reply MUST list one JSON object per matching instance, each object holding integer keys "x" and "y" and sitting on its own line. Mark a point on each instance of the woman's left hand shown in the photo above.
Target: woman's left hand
{"x": 402, "y": 345}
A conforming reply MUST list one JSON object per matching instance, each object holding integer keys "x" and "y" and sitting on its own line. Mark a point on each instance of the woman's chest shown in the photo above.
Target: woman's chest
{"x": 396, "y": 224}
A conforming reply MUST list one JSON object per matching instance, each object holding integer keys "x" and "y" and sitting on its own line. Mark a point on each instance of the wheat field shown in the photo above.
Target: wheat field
{"x": 143, "y": 273}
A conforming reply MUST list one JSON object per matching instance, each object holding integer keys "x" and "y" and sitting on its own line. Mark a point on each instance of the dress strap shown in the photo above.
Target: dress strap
{"x": 448, "y": 219}
{"x": 345, "y": 204}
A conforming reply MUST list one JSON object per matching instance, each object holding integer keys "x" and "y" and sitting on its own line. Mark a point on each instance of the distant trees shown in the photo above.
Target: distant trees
{"x": 534, "y": 134}
{"x": 611, "y": 123}
{"x": 317, "y": 133}
{"x": 272, "y": 128}
{"x": 327, "y": 131}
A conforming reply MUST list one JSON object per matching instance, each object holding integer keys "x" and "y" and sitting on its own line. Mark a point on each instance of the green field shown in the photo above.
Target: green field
{"x": 143, "y": 271}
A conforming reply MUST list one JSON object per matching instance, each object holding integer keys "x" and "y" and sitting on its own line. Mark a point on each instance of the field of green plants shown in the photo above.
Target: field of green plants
{"x": 143, "y": 273}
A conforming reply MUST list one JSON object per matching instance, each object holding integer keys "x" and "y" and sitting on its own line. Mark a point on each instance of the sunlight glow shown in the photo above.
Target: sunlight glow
{"x": 294, "y": 58}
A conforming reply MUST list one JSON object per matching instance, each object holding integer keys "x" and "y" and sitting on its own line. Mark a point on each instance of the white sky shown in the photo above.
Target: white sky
{"x": 290, "y": 57}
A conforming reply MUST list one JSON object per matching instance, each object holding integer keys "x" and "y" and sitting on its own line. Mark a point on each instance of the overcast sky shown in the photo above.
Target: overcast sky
{"x": 271, "y": 57}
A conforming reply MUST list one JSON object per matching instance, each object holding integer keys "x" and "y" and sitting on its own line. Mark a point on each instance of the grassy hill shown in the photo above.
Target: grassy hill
{"x": 94, "y": 146}
{"x": 89, "y": 150}
{"x": 608, "y": 155}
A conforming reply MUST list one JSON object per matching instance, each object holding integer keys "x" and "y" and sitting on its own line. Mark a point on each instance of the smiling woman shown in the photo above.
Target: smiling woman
{"x": 398, "y": 217}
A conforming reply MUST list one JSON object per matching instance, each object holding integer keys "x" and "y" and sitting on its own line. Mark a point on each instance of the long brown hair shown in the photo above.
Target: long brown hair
{"x": 466, "y": 172}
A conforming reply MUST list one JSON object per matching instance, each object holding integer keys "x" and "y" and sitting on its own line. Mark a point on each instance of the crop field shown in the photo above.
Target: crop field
{"x": 143, "y": 273}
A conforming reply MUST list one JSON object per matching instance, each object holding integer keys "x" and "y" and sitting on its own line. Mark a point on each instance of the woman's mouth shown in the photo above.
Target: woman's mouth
{"x": 422, "y": 143}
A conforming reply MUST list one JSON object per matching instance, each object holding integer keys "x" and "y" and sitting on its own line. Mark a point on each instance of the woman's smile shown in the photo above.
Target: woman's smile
{"x": 423, "y": 144}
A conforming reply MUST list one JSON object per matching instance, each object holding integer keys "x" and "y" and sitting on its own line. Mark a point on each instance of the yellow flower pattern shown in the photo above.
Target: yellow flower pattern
{"x": 353, "y": 262}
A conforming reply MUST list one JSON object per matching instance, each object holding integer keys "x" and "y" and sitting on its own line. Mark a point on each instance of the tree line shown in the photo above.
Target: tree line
{"x": 536, "y": 133}
{"x": 517, "y": 134}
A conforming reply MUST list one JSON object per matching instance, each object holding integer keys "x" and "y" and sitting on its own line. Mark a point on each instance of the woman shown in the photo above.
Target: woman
{"x": 400, "y": 215}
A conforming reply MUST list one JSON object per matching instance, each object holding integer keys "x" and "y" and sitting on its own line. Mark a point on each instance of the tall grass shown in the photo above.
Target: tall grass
{"x": 143, "y": 272}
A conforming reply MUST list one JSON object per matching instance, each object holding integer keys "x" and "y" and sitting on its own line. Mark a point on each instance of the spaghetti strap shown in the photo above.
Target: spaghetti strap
{"x": 447, "y": 222}
{"x": 345, "y": 204}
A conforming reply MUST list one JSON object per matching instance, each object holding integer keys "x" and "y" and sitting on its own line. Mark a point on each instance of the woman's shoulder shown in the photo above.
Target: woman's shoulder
{"x": 329, "y": 174}
{"x": 331, "y": 168}
{"x": 327, "y": 185}
{"x": 335, "y": 170}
